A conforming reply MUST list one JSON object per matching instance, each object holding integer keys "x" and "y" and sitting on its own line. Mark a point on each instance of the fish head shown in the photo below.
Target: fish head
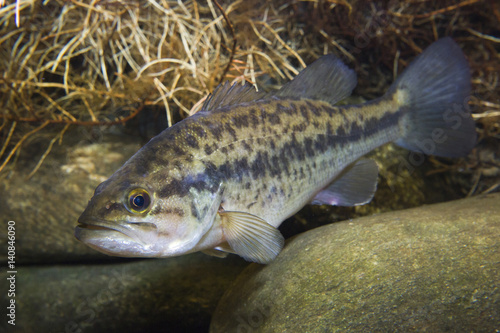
{"x": 133, "y": 215}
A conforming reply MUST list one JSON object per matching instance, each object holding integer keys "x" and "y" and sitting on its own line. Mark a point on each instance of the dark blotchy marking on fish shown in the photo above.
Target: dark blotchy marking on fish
{"x": 308, "y": 143}
{"x": 302, "y": 174}
{"x": 298, "y": 148}
{"x": 178, "y": 165}
{"x": 246, "y": 145}
{"x": 330, "y": 111}
{"x": 329, "y": 130}
{"x": 110, "y": 207}
{"x": 225, "y": 169}
{"x": 314, "y": 109}
{"x": 341, "y": 131}
{"x": 176, "y": 187}
{"x": 174, "y": 211}
{"x": 191, "y": 141}
{"x": 241, "y": 168}
{"x": 274, "y": 118}
{"x": 194, "y": 211}
{"x": 216, "y": 130}
{"x": 305, "y": 113}
{"x": 274, "y": 190}
{"x": 231, "y": 131}
{"x": 157, "y": 210}
{"x": 200, "y": 185}
{"x": 299, "y": 128}
{"x": 320, "y": 144}
{"x": 275, "y": 166}
{"x": 374, "y": 125}
{"x": 241, "y": 121}
{"x": 254, "y": 120}
{"x": 208, "y": 149}
{"x": 258, "y": 167}
{"x": 251, "y": 204}
{"x": 178, "y": 150}
{"x": 211, "y": 170}
{"x": 201, "y": 132}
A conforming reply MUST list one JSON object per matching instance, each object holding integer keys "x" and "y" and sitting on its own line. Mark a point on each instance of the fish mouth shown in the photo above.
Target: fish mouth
{"x": 118, "y": 238}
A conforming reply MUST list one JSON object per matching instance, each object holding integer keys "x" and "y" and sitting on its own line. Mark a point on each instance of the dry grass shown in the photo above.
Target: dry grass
{"x": 75, "y": 63}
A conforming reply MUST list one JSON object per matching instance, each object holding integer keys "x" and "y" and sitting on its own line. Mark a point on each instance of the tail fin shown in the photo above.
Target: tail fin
{"x": 436, "y": 93}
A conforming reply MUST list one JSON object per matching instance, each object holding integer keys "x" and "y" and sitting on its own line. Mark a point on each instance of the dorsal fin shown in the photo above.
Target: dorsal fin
{"x": 327, "y": 79}
{"x": 226, "y": 94}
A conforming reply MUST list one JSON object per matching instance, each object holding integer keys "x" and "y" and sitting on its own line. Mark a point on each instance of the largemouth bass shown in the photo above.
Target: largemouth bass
{"x": 225, "y": 178}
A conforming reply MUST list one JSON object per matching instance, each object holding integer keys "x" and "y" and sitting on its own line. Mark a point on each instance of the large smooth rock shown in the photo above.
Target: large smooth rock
{"x": 433, "y": 268}
{"x": 154, "y": 295}
{"x": 46, "y": 206}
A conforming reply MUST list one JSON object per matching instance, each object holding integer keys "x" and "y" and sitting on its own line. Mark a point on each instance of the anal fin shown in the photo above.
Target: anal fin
{"x": 356, "y": 185}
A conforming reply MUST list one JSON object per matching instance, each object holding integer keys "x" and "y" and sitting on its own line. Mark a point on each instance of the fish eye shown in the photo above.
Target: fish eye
{"x": 138, "y": 200}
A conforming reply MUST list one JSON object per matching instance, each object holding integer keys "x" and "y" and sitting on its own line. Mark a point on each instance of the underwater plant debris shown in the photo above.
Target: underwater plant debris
{"x": 73, "y": 64}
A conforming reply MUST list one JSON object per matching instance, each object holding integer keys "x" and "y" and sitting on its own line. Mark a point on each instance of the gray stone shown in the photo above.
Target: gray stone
{"x": 154, "y": 295}
{"x": 46, "y": 206}
{"x": 434, "y": 268}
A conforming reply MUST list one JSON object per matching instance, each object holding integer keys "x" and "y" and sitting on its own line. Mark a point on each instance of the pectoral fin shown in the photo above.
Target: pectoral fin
{"x": 251, "y": 237}
{"x": 356, "y": 185}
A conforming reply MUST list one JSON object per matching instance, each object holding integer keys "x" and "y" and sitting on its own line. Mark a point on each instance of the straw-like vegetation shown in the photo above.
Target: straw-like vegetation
{"x": 67, "y": 64}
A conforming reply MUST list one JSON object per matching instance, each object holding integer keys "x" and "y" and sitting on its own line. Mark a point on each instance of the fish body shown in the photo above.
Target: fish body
{"x": 225, "y": 178}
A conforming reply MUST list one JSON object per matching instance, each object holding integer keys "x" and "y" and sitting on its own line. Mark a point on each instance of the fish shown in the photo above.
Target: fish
{"x": 224, "y": 179}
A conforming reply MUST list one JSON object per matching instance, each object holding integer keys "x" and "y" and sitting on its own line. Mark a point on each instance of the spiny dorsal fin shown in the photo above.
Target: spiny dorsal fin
{"x": 226, "y": 94}
{"x": 327, "y": 79}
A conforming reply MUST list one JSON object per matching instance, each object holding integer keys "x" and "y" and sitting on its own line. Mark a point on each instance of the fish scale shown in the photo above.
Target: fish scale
{"x": 223, "y": 180}
{"x": 295, "y": 156}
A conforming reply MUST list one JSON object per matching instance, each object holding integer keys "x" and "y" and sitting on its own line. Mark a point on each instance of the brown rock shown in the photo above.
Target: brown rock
{"x": 434, "y": 268}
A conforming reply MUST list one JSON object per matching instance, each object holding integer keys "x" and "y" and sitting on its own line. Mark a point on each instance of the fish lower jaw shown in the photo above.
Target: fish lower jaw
{"x": 115, "y": 243}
